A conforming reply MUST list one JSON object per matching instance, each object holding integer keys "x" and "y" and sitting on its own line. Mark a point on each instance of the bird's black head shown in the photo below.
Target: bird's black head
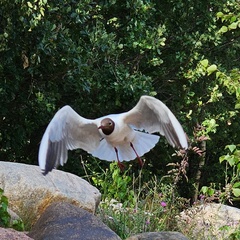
{"x": 107, "y": 126}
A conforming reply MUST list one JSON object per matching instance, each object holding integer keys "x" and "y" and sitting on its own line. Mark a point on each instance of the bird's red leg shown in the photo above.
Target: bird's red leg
{"x": 120, "y": 165}
{"x": 139, "y": 159}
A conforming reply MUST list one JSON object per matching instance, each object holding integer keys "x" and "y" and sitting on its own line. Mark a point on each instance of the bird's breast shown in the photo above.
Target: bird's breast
{"x": 121, "y": 135}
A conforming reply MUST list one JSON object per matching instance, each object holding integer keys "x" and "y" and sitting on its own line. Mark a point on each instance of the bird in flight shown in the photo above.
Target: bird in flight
{"x": 120, "y": 137}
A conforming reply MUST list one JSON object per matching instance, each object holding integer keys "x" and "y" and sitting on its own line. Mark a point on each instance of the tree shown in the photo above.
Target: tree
{"x": 100, "y": 57}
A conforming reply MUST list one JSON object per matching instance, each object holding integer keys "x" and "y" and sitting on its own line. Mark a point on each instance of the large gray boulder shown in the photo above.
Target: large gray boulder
{"x": 65, "y": 221}
{"x": 30, "y": 192}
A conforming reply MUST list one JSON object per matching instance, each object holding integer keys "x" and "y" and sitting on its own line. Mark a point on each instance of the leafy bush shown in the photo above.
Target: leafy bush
{"x": 115, "y": 185}
{"x": 5, "y": 218}
{"x": 230, "y": 192}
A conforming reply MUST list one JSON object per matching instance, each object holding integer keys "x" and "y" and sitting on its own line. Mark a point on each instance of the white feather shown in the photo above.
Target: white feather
{"x": 68, "y": 130}
{"x": 142, "y": 143}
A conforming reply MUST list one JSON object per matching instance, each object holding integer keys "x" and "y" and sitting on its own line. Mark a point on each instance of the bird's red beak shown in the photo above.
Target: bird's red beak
{"x": 100, "y": 127}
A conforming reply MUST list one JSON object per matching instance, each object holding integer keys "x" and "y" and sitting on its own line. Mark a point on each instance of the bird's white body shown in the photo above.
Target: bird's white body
{"x": 68, "y": 130}
{"x": 121, "y": 138}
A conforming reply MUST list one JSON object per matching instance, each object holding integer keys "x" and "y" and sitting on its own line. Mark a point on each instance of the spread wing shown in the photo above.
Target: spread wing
{"x": 66, "y": 131}
{"x": 152, "y": 115}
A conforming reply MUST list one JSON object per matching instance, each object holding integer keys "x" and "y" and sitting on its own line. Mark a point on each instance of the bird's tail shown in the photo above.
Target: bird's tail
{"x": 142, "y": 143}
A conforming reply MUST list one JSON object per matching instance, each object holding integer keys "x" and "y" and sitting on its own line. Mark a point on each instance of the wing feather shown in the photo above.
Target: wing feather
{"x": 66, "y": 131}
{"x": 152, "y": 115}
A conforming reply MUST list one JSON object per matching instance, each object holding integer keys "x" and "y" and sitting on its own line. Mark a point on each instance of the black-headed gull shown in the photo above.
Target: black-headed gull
{"x": 120, "y": 137}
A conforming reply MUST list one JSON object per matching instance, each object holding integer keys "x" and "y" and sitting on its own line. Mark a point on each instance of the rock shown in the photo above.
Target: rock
{"x": 14, "y": 217}
{"x": 30, "y": 192}
{"x": 158, "y": 236}
{"x": 210, "y": 221}
{"x": 10, "y": 234}
{"x": 65, "y": 221}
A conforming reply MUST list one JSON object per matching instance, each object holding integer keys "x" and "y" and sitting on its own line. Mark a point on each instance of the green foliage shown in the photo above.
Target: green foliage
{"x": 235, "y": 235}
{"x": 5, "y": 218}
{"x": 231, "y": 191}
{"x": 233, "y": 174}
{"x": 115, "y": 185}
{"x": 146, "y": 206}
{"x": 230, "y": 17}
{"x": 4, "y": 215}
{"x": 234, "y": 158}
{"x": 207, "y": 191}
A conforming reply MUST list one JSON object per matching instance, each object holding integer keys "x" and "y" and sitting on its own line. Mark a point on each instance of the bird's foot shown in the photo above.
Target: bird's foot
{"x": 140, "y": 162}
{"x": 121, "y": 166}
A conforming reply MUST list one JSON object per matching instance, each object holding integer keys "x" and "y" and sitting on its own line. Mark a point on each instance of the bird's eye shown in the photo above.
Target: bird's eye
{"x": 110, "y": 123}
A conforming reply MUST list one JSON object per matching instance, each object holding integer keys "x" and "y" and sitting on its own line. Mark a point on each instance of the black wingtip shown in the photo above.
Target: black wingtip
{"x": 44, "y": 172}
{"x": 50, "y": 158}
